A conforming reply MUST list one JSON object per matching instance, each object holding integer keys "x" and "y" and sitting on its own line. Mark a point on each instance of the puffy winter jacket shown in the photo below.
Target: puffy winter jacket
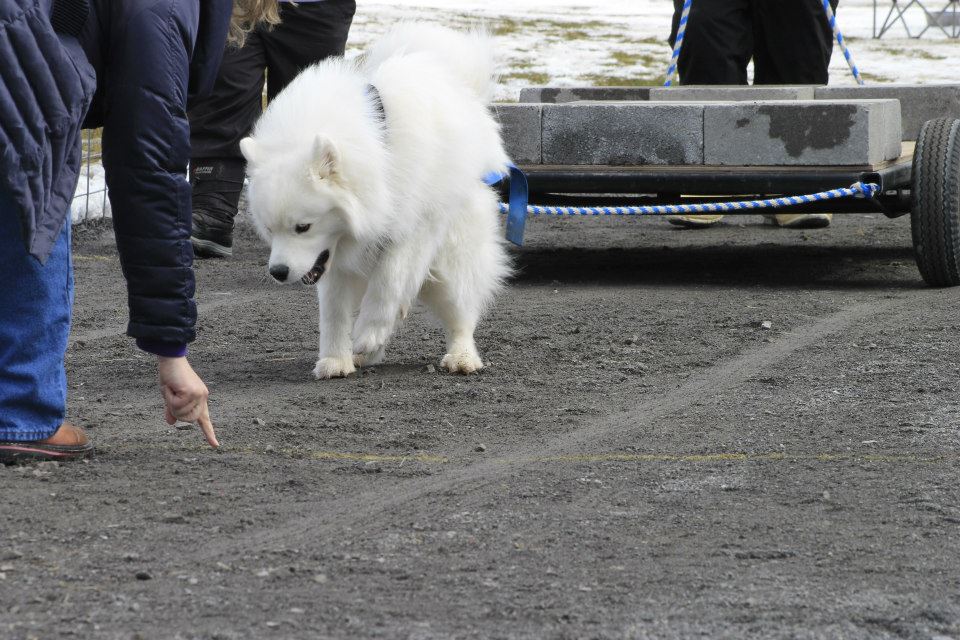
{"x": 45, "y": 87}
{"x": 148, "y": 56}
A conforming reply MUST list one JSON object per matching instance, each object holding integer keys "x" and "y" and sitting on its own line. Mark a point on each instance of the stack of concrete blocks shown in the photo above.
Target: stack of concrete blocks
{"x": 720, "y": 126}
{"x": 918, "y": 103}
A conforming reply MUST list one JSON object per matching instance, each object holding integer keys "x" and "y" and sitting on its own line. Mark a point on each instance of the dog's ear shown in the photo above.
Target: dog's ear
{"x": 324, "y": 159}
{"x": 248, "y": 147}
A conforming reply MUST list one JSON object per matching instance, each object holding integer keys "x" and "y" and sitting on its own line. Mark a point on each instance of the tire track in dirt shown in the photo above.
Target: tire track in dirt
{"x": 370, "y": 505}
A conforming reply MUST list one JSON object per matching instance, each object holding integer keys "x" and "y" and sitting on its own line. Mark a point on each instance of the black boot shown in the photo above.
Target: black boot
{"x": 216, "y": 183}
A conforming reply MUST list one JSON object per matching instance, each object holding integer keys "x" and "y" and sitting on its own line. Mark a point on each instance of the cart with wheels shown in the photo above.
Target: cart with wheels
{"x": 924, "y": 182}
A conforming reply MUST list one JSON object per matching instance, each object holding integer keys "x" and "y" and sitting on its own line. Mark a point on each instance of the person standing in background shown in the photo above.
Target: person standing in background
{"x": 293, "y": 37}
{"x": 789, "y": 41}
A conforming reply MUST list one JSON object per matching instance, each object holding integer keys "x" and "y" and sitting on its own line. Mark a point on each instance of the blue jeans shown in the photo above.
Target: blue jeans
{"x": 35, "y": 305}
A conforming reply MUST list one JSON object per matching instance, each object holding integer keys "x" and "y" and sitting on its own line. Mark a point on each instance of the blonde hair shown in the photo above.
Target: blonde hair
{"x": 248, "y": 14}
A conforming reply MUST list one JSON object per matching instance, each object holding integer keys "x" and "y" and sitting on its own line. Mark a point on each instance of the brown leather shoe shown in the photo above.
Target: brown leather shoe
{"x": 70, "y": 442}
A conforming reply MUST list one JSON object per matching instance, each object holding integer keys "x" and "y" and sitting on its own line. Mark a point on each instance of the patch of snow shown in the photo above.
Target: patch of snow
{"x": 90, "y": 200}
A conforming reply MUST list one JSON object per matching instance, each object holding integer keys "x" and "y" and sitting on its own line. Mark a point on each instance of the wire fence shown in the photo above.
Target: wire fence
{"x": 90, "y": 200}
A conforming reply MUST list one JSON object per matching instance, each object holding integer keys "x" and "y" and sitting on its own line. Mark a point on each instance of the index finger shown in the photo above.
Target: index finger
{"x": 207, "y": 427}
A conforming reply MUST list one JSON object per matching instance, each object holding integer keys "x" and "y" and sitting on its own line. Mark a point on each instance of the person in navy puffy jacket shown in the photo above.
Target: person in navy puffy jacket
{"x": 129, "y": 67}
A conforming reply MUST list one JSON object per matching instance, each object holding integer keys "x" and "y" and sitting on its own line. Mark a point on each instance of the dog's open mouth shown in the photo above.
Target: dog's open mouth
{"x": 313, "y": 276}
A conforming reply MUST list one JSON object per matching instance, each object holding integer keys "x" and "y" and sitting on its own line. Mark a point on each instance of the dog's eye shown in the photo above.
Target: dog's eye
{"x": 302, "y": 228}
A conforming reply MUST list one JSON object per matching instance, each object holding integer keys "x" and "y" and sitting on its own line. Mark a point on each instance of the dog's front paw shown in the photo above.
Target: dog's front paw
{"x": 368, "y": 359}
{"x": 333, "y": 367}
{"x": 370, "y": 340}
{"x": 462, "y": 362}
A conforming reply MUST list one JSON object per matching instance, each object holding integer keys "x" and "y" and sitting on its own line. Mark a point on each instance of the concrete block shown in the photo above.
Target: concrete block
{"x": 918, "y": 103}
{"x": 520, "y": 128}
{"x": 622, "y": 133}
{"x": 557, "y": 95}
{"x": 851, "y": 132}
{"x": 694, "y": 93}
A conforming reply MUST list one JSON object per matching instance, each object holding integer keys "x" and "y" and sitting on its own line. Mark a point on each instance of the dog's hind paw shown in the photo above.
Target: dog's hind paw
{"x": 333, "y": 367}
{"x": 465, "y": 363}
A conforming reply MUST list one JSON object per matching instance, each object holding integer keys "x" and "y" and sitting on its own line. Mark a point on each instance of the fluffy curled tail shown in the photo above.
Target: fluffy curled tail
{"x": 468, "y": 55}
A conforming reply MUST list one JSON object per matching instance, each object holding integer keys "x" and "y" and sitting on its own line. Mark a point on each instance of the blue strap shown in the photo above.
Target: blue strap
{"x": 519, "y": 197}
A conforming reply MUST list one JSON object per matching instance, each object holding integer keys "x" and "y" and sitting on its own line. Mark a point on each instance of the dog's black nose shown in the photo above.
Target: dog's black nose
{"x": 279, "y": 272}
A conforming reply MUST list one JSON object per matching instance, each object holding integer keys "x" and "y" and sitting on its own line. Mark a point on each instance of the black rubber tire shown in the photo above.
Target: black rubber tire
{"x": 935, "y": 206}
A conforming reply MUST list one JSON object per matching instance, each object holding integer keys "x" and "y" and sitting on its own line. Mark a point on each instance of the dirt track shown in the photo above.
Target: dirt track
{"x": 640, "y": 459}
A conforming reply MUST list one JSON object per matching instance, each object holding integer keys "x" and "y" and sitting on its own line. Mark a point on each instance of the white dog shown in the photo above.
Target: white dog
{"x": 366, "y": 180}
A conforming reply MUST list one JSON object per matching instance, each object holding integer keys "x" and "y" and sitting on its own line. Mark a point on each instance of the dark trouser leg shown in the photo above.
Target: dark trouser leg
{"x": 793, "y": 42}
{"x": 309, "y": 33}
{"x": 718, "y": 42}
{"x": 217, "y": 124}
{"x": 220, "y": 120}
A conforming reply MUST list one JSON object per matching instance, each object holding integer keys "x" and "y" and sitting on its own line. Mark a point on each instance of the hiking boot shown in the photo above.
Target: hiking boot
{"x": 69, "y": 442}
{"x": 217, "y": 183}
{"x": 212, "y": 235}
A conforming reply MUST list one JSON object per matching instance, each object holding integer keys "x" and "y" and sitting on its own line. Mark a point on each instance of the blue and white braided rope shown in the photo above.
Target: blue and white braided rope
{"x": 856, "y": 190}
{"x": 678, "y": 43}
{"x": 832, "y": 18}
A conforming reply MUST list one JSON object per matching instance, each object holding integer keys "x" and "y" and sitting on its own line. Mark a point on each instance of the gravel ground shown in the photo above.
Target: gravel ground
{"x": 642, "y": 458}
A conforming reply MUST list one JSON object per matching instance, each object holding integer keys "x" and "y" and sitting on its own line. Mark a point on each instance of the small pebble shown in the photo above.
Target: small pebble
{"x": 258, "y": 422}
{"x": 143, "y": 575}
{"x": 480, "y": 448}
{"x": 766, "y": 325}
{"x": 320, "y": 578}
{"x": 431, "y": 368}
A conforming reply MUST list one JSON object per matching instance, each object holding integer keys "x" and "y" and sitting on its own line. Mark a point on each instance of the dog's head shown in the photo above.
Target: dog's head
{"x": 300, "y": 205}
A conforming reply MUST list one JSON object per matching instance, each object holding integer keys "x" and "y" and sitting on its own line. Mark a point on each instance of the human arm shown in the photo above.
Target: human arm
{"x": 145, "y": 151}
